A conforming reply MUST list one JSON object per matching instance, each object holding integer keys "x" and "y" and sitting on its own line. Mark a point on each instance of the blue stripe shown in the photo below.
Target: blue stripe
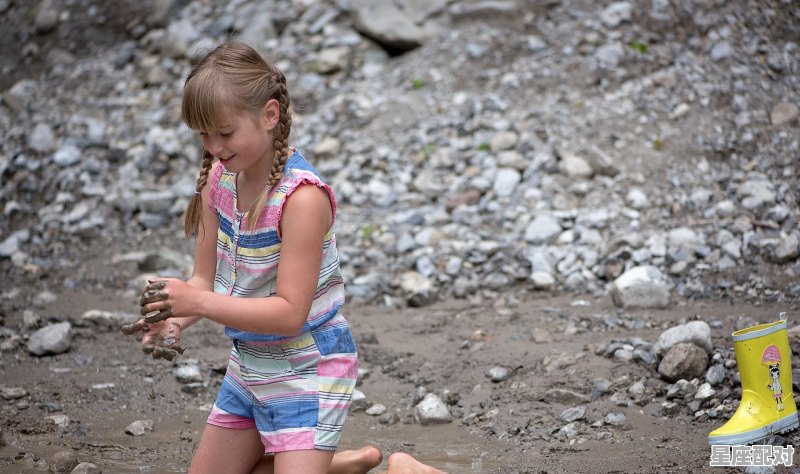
{"x": 296, "y": 161}
{"x": 260, "y": 240}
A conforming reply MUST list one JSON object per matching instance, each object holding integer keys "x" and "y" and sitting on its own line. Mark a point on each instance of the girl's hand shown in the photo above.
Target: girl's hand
{"x": 160, "y": 340}
{"x": 167, "y": 298}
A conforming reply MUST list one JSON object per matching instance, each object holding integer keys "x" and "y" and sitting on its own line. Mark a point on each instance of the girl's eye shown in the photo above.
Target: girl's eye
{"x": 226, "y": 134}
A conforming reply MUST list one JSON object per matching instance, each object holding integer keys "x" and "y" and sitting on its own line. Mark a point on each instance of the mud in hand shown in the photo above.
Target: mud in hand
{"x": 161, "y": 340}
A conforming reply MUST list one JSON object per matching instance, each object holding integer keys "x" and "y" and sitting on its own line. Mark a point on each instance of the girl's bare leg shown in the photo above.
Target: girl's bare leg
{"x": 357, "y": 461}
{"x": 311, "y": 461}
{"x": 227, "y": 450}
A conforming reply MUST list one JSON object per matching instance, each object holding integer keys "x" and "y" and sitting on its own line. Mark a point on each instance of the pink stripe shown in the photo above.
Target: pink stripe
{"x": 335, "y": 406}
{"x": 227, "y": 420}
{"x": 340, "y": 367}
{"x": 289, "y": 441}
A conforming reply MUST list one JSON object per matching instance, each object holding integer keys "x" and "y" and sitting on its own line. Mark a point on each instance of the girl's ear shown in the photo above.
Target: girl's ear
{"x": 271, "y": 114}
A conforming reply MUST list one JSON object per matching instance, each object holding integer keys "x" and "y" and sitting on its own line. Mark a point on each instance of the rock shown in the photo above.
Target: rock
{"x": 617, "y": 419}
{"x": 327, "y": 147}
{"x": 641, "y": 287}
{"x": 787, "y": 250}
{"x": 503, "y": 141}
{"x": 784, "y": 113}
{"x": 704, "y": 392}
{"x": 63, "y": 461}
{"x": 431, "y": 410}
{"x": 569, "y": 430}
{"x": 392, "y": 27}
{"x": 720, "y": 51}
{"x": 696, "y": 332}
{"x": 715, "y": 375}
{"x": 573, "y": 414}
{"x": 498, "y": 374}
{"x": 506, "y": 181}
{"x": 609, "y": 55}
{"x": 87, "y": 468}
{"x": 616, "y": 13}
{"x": 12, "y": 393}
{"x": 52, "y": 339}
{"x": 376, "y": 410}
{"x": 544, "y": 229}
{"x": 62, "y": 421}
{"x": 20, "y": 95}
{"x": 188, "y": 373}
{"x": 358, "y": 401}
{"x": 67, "y": 155}
{"x": 42, "y": 139}
{"x": 574, "y": 166}
{"x": 139, "y": 427}
{"x": 46, "y": 18}
{"x": 565, "y": 396}
{"x": 684, "y": 361}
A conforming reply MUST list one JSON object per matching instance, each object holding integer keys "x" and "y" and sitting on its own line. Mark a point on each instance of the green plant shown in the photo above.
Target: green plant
{"x": 658, "y": 144}
{"x": 639, "y": 47}
{"x": 417, "y": 83}
{"x": 429, "y": 149}
{"x": 370, "y": 231}
{"x": 483, "y": 146}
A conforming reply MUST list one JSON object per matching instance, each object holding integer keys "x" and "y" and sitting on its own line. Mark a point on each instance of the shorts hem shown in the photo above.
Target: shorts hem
{"x": 233, "y": 425}
{"x": 289, "y": 447}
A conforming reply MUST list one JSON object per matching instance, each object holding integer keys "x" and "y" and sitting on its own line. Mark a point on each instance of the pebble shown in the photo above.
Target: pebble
{"x": 139, "y": 427}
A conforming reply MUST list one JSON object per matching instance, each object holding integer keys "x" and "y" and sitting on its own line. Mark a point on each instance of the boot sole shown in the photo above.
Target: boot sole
{"x": 785, "y": 424}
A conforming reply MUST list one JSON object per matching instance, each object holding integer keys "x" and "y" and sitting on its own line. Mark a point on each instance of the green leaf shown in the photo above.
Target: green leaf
{"x": 417, "y": 83}
{"x": 369, "y": 231}
{"x": 658, "y": 144}
{"x": 639, "y": 47}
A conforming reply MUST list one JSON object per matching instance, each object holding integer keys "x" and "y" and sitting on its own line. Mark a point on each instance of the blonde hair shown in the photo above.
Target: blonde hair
{"x": 232, "y": 78}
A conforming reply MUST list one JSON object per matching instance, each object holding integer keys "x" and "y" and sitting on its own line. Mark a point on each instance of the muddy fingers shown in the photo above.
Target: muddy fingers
{"x": 162, "y": 315}
{"x": 138, "y": 326}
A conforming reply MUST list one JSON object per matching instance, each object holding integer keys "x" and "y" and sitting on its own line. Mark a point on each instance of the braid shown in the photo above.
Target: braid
{"x": 194, "y": 210}
{"x": 281, "y": 146}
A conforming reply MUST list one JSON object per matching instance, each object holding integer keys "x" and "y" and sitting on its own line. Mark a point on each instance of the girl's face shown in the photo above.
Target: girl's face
{"x": 243, "y": 141}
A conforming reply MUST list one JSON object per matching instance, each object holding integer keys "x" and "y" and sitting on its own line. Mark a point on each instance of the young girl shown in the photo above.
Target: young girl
{"x": 266, "y": 267}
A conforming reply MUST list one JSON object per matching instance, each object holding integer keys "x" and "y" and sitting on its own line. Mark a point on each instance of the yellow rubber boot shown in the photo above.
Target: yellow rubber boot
{"x": 767, "y": 406}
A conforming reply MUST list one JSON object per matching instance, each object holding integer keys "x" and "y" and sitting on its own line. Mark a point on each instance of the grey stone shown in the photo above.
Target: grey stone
{"x": 431, "y": 410}
{"x": 139, "y": 427}
{"x": 573, "y": 414}
{"x": 641, "y": 287}
{"x": 52, "y": 339}
{"x": 696, "y": 332}
{"x": 684, "y": 361}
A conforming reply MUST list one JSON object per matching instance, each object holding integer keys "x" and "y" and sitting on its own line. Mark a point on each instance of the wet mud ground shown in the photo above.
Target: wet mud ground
{"x": 104, "y": 383}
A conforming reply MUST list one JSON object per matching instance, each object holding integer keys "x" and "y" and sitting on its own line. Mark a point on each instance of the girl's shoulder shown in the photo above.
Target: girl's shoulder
{"x": 298, "y": 170}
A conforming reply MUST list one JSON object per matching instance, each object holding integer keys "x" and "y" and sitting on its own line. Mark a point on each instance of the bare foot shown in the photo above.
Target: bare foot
{"x": 402, "y": 463}
{"x": 357, "y": 461}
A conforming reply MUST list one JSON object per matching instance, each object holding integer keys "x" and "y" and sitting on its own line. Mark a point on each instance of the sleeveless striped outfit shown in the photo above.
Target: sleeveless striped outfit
{"x": 294, "y": 390}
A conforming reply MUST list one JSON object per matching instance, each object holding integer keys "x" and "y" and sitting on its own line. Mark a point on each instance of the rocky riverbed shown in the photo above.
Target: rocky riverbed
{"x": 552, "y": 215}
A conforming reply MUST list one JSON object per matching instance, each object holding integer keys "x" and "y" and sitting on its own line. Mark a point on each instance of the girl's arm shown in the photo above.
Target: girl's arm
{"x": 307, "y": 217}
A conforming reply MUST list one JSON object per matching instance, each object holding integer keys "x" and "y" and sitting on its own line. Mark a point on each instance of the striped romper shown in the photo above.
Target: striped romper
{"x": 294, "y": 390}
